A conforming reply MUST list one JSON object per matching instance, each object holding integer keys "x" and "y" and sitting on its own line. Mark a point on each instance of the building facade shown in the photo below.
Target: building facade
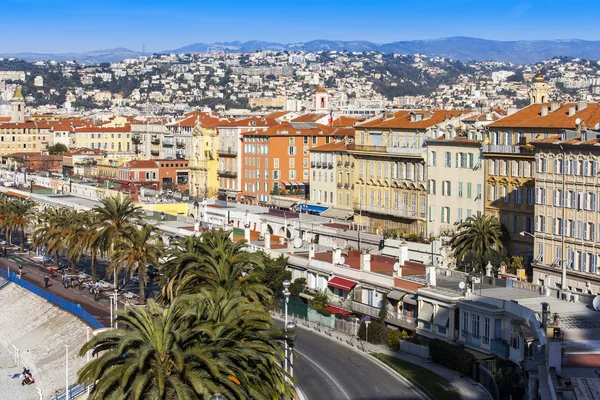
{"x": 204, "y": 161}
{"x": 331, "y": 177}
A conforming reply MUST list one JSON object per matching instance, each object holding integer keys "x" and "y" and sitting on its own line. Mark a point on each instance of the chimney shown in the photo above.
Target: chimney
{"x": 572, "y": 110}
{"x": 311, "y": 251}
{"x": 430, "y": 277}
{"x": 290, "y": 246}
{"x": 337, "y": 255}
{"x": 398, "y": 273}
{"x": 267, "y": 240}
{"x": 488, "y": 269}
{"x": 581, "y": 105}
{"x": 403, "y": 256}
{"x": 555, "y": 105}
{"x": 544, "y": 111}
{"x": 247, "y": 234}
{"x": 365, "y": 262}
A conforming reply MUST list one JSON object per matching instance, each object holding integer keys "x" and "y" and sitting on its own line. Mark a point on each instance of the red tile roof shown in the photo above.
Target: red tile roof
{"x": 309, "y": 118}
{"x": 143, "y": 164}
{"x": 407, "y": 285}
{"x": 531, "y": 117}
{"x": 339, "y": 146}
{"x": 403, "y": 119}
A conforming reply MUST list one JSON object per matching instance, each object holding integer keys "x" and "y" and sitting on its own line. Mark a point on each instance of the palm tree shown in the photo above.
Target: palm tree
{"x": 478, "y": 234}
{"x": 22, "y": 213}
{"x": 113, "y": 217}
{"x": 137, "y": 247}
{"x": 48, "y": 231}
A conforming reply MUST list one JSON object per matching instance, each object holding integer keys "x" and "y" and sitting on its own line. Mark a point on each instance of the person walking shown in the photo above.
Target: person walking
{"x": 46, "y": 280}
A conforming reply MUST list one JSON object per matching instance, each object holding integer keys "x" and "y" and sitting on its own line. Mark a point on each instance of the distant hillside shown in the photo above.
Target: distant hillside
{"x": 459, "y": 48}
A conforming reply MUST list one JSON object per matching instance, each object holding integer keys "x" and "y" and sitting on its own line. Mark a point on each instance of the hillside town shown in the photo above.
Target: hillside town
{"x": 368, "y": 172}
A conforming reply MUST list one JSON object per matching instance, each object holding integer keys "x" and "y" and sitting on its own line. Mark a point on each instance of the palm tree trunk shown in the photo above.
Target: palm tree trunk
{"x": 22, "y": 239}
{"x": 57, "y": 260}
{"x": 73, "y": 266}
{"x": 142, "y": 283}
{"x": 94, "y": 266}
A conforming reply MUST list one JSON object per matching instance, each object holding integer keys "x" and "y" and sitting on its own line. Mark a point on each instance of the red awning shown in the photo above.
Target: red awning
{"x": 341, "y": 283}
{"x": 16, "y": 194}
{"x": 336, "y": 310}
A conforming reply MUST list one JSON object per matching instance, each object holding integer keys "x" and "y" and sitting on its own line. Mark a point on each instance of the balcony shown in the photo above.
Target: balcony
{"x": 394, "y": 318}
{"x": 339, "y": 185}
{"x": 229, "y": 152}
{"x": 313, "y": 164}
{"x": 319, "y": 164}
{"x": 227, "y": 174}
{"x": 397, "y": 212}
{"x": 508, "y": 149}
{"x": 328, "y": 165}
{"x": 168, "y": 143}
{"x": 347, "y": 164}
{"x": 155, "y": 141}
{"x": 155, "y": 153}
{"x": 180, "y": 144}
{"x": 499, "y": 348}
{"x": 411, "y": 151}
{"x": 346, "y": 186}
{"x": 339, "y": 163}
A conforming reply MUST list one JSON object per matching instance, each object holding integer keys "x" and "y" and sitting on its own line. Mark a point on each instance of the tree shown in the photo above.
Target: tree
{"x": 57, "y": 148}
{"x": 137, "y": 247}
{"x": 48, "y": 233}
{"x": 275, "y": 272}
{"x": 86, "y": 241}
{"x": 23, "y": 215}
{"x": 477, "y": 234}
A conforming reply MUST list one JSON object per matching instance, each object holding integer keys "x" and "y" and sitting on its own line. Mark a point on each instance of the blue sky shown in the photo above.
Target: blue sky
{"x": 65, "y": 26}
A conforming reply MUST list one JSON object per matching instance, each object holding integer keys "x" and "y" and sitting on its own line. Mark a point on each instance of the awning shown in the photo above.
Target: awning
{"x": 16, "y": 194}
{"x": 305, "y": 183}
{"x": 341, "y": 283}
{"x": 441, "y": 317}
{"x": 396, "y": 294}
{"x": 287, "y": 183}
{"x": 338, "y": 213}
{"x": 311, "y": 208}
{"x": 425, "y": 312}
{"x": 410, "y": 300}
{"x": 336, "y": 310}
{"x": 281, "y": 202}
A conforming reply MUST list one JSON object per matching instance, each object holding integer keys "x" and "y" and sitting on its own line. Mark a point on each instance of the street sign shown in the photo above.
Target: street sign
{"x": 367, "y": 320}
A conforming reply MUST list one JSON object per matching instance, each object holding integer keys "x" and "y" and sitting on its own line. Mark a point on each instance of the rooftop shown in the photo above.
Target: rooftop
{"x": 531, "y": 117}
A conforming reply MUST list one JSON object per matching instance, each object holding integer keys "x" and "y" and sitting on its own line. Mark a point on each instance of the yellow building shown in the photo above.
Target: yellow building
{"x": 266, "y": 102}
{"x": 204, "y": 162}
{"x": 112, "y": 140}
{"x": 510, "y": 165}
{"x": 18, "y": 135}
{"x": 390, "y": 183}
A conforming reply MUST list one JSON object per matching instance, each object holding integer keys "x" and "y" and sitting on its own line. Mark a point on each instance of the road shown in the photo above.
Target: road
{"x": 325, "y": 369}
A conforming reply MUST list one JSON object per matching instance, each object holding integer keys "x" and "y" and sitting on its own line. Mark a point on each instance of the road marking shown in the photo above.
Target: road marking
{"x": 325, "y": 372}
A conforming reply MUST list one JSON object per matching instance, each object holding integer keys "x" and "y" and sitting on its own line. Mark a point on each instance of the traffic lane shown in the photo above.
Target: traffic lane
{"x": 325, "y": 369}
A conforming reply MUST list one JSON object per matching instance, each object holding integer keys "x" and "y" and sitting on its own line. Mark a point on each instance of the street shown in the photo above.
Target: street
{"x": 325, "y": 369}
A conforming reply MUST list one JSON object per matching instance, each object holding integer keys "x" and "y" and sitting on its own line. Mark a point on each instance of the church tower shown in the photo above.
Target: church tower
{"x": 18, "y": 106}
{"x": 321, "y": 100}
{"x": 539, "y": 91}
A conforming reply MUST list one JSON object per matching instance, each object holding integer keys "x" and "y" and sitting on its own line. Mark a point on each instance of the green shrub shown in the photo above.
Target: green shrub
{"x": 451, "y": 356}
{"x": 323, "y": 312}
{"x": 377, "y": 332}
{"x": 393, "y": 339}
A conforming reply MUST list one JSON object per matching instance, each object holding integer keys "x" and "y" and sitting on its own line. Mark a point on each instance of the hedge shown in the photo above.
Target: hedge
{"x": 451, "y": 356}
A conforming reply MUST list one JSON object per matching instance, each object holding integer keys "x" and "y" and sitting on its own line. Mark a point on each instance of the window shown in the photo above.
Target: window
{"x": 486, "y": 329}
{"x": 446, "y": 215}
{"x": 433, "y": 160}
{"x": 276, "y": 163}
{"x": 460, "y": 189}
{"x": 465, "y": 327}
{"x": 469, "y": 187}
{"x": 475, "y": 326}
{"x": 431, "y": 213}
{"x": 291, "y": 150}
{"x": 432, "y": 189}
{"x": 471, "y": 160}
{"x": 479, "y": 188}
{"x": 448, "y": 161}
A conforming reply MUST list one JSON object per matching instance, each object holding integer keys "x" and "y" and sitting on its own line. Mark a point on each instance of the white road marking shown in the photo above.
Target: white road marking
{"x": 325, "y": 372}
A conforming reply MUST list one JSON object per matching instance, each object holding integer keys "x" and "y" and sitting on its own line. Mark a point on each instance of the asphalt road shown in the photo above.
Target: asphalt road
{"x": 328, "y": 370}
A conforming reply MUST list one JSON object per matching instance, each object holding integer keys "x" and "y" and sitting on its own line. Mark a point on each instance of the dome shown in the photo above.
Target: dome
{"x": 321, "y": 89}
{"x": 539, "y": 77}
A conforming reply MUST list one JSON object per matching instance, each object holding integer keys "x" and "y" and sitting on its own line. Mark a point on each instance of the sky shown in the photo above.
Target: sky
{"x": 62, "y": 26}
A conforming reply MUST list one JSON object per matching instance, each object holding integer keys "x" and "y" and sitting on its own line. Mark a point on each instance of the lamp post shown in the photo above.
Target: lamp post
{"x": 286, "y": 294}
{"x": 290, "y": 327}
{"x": 67, "y": 371}
{"x": 87, "y": 339}
{"x": 525, "y": 233}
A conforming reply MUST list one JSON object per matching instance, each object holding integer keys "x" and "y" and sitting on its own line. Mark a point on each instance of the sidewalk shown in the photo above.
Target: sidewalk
{"x": 34, "y": 273}
{"x": 467, "y": 387}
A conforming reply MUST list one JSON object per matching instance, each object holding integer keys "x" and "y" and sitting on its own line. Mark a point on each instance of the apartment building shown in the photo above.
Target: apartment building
{"x": 567, "y": 213}
{"x": 455, "y": 182}
{"x": 229, "y": 150}
{"x": 331, "y": 180}
{"x": 204, "y": 162}
{"x": 112, "y": 140}
{"x": 276, "y": 160}
{"x": 390, "y": 179}
{"x": 18, "y": 135}
{"x": 510, "y": 164}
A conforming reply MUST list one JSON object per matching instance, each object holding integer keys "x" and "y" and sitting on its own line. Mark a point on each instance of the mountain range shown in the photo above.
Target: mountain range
{"x": 459, "y": 48}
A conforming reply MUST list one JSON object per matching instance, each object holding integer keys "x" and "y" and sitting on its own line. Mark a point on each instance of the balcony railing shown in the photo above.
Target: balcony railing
{"x": 507, "y": 149}
{"x": 339, "y": 163}
{"x": 328, "y": 165}
{"x": 313, "y": 164}
{"x": 499, "y": 348}
{"x": 397, "y": 212}
{"x": 387, "y": 149}
{"x": 395, "y": 318}
{"x": 155, "y": 153}
{"x": 168, "y": 143}
{"x": 227, "y": 173}
{"x": 180, "y": 144}
{"x": 155, "y": 141}
{"x": 227, "y": 152}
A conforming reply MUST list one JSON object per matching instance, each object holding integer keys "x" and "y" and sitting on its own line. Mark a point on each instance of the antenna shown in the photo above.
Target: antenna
{"x": 396, "y": 267}
{"x": 577, "y": 121}
{"x": 596, "y": 303}
{"x": 342, "y": 261}
{"x": 461, "y": 285}
{"x": 297, "y": 242}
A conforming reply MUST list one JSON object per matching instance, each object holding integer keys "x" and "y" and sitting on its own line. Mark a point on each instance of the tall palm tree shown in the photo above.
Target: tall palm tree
{"x": 23, "y": 213}
{"x": 137, "y": 247}
{"x": 478, "y": 234}
{"x": 49, "y": 231}
{"x": 113, "y": 217}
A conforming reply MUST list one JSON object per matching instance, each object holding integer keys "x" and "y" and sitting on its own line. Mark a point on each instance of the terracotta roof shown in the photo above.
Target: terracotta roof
{"x": 402, "y": 119}
{"x": 531, "y": 117}
{"x": 279, "y": 129}
{"x": 141, "y": 164}
{"x": 574, "y": 141}
{"x": 23, "y": 154}
{"x": 277, "y": 114}
{"x": 346, "y": 121}
{"x": 407, "y": 285}
{"x": 339, "y": 146}
{"x": 253, "y": 121}
{"x": 309, "y": 118}
{"x": 18, "y": 125}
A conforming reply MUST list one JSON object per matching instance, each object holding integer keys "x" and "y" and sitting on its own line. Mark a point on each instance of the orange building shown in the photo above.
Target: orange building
{"x": 276, "y": 161}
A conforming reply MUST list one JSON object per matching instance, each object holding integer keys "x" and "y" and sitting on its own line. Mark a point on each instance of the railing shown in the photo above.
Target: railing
{"x": 339, "y": 163}
{"x": 328, "y": 165}
{"x": 56, "y": 300}
{"x": 313, "y": 164}
{"x": 505, "y": 148}
{"x": 406, "y": 150}
{"x": 363, "y": 147}
{"x": 180, "y": 144}
{"x": 227, "y": 152}
{"x": 398, "y": 212}
{"x": 155, "y": 141}
{"x": 394, "y": 318}
{"x": 154, "y": 152}
{"x": 168, "y": 143}
{"x": 499, "y": 348}
{"x": 74, "y": 392}
{"x": 229, "y": 174}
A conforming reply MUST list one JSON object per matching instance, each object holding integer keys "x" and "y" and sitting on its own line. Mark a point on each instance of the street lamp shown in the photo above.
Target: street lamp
{"x": 286, "y": 294}
{"x": 67, "y": 372}
{"x": 525, "y": 233}
{"x": 291, "y": 327}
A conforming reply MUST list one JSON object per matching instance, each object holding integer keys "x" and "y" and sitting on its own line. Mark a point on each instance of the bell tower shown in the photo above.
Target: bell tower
{"x": 18, "y": 106}
{"x": 539, "y": 91}
{"x": 321, "y": 100}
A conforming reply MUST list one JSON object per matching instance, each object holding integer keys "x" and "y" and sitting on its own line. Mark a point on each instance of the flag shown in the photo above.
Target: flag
{"x": 331, "y": 117}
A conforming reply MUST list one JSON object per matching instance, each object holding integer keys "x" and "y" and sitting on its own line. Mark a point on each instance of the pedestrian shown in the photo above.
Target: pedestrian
{"x": 46, "y": 280}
